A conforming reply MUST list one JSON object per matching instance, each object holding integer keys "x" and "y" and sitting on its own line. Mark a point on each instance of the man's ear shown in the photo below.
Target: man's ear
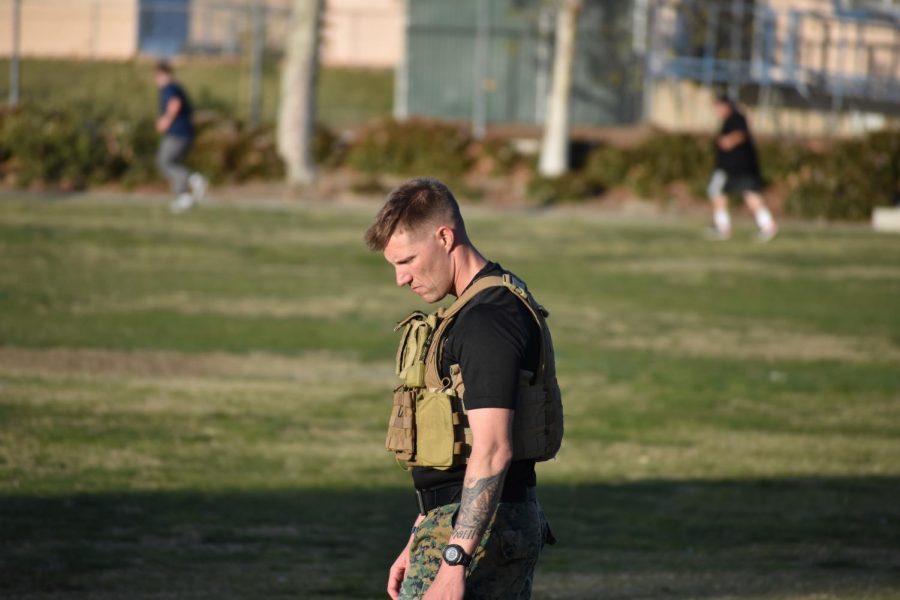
{"x": 445, "y": 237}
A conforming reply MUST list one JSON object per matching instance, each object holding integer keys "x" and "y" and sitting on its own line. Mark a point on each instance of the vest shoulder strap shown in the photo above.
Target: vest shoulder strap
{"x": 473, "y": 290}
{"x": 445, "y": 317}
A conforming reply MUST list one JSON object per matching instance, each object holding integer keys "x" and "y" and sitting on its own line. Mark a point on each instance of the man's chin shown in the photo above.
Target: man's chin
{"x": 429, "y": 297}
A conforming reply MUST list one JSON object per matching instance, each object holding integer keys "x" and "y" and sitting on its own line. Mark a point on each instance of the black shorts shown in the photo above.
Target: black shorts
{"x": 721, "y": 182}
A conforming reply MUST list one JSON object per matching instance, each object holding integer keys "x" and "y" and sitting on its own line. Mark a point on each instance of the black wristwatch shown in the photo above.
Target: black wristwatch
{"x": 455, "y": 555}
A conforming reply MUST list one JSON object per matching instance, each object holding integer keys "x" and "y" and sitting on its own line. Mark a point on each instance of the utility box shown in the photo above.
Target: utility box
{"x": 886, "y": 219}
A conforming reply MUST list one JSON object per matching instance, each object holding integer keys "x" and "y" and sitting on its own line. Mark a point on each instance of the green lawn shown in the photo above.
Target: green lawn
{"x": 346, "y": 96}
{"x": 194, "y": 406}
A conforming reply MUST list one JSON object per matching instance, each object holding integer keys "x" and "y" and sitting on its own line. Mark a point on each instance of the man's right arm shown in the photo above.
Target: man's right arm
{"x": 173, "y": 106}
{"x": 731, "y": 140}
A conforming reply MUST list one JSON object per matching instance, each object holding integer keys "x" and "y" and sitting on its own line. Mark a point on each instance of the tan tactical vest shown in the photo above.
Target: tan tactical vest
{"x": 428, "y": 425}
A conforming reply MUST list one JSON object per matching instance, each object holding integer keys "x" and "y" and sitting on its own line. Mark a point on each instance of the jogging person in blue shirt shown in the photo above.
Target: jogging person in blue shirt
{"x": 174, "y": 123}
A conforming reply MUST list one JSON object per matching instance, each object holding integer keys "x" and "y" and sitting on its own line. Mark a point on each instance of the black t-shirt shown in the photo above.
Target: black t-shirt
{"x": 740, "y": 160}
{"x": 181, "y": 125}
{"x": 492, "y": 339}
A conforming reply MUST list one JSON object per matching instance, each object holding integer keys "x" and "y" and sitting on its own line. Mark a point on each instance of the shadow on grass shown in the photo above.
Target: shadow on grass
{"x": 654, "y": 539}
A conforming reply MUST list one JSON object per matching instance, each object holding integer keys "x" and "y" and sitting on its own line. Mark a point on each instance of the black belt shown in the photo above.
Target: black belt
{"x": 432, "y": 498}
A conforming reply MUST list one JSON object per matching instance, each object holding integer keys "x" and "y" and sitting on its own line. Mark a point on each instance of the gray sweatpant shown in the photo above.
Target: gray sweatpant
{"x": 170, "y": 160}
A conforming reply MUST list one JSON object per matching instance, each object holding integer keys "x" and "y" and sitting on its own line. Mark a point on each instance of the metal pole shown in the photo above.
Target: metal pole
{"x": 737, "y": 59}
{"x": 709, "y": 49}
{"x": 544, "y": 64}
{"x": 401, "y": 72}
{"x": 95, "y": 28}
{"x": 649, "y": 57}
{"x": 256, "y": 62}
{"x": 479, "y": 100}
{"x": 14, "y": 55}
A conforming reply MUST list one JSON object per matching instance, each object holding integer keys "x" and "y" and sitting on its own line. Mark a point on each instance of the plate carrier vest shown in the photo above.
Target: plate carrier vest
{"x": 428, "y": 425}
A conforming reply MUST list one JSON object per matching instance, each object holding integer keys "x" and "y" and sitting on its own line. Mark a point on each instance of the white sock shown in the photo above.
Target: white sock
{"x": 722, "y": 220}
{"x": 764, "y": 219}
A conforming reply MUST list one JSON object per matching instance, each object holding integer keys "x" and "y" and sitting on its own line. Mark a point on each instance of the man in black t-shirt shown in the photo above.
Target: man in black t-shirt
{"x": 487, "y": 507}
{"x": 736, "y": 171}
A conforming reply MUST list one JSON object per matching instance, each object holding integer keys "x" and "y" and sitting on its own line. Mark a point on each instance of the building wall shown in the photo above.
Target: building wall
{"x": 833, "y": 44}
{"x": 687, "y": 106}
{"x": 363, "y": 33}
{"x": 103, "y": 29}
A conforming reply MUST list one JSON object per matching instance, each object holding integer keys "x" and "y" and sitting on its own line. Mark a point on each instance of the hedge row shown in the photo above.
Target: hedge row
{"x": 84, "y": 146}
{"x": 844, "y": 181}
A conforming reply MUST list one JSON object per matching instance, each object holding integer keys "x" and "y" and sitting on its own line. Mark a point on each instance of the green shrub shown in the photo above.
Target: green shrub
{"x": 51, "y": 147}
{"x": 414, "y": 147}
{"x": 607, "y": 167}
{"x": 227, "y": 151}
{"x": 849, "y": 180}
{"x": 649, "y": 168}
{"x": 780, "y": 159}
{"x": 74, "y": 148}
{"x": 502, "y": 155}
{"x": 664, "y": 159}
{"x": 327, "y": 148}
{"x": 570, "y": 187}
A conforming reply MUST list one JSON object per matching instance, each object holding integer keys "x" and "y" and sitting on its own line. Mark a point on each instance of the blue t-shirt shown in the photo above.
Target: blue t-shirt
{"x": 181, "y": 126}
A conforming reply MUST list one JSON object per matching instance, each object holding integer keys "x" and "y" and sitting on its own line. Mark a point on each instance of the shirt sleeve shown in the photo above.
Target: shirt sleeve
{"x": 491, "y": 345}
{"x": 735, "y": 122}
{"x": 164, "y": 95}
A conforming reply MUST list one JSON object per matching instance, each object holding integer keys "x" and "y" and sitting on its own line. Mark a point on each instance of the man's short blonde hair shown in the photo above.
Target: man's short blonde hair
{"x": 411, "y": 205}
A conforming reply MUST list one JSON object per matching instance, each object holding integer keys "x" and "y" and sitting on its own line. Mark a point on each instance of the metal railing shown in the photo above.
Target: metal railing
{"x": 735, "y": 43}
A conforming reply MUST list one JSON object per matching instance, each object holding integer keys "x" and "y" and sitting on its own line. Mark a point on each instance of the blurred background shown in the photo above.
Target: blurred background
{"x": 815, "y": 77}
{"x": 194, "y": 405}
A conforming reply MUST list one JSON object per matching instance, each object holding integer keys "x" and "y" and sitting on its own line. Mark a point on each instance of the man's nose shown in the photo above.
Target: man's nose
{"x": 403, "y": 278}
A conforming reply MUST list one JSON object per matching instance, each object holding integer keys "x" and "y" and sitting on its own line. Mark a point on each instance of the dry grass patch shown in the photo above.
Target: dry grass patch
{"x": 318, "y": 307}
{"x": 146, "y": 363}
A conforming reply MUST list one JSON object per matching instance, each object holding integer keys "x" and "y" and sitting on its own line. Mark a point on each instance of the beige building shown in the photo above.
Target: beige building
{"x": 72, "y": 29}
{"x": 363, "y": 33}
{"x": 824, "y": 75}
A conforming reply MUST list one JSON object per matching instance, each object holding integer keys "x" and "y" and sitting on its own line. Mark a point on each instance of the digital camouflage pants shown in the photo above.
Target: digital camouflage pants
{"x": 503, "y": 564}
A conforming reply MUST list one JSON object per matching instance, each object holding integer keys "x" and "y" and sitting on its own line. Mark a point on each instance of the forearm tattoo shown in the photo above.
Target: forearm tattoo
{"x": 477, "y": 505}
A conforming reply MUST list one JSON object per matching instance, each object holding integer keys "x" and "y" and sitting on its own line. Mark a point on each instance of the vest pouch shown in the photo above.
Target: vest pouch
{"x": 415, "y": 331}
{"x": 530, "y": 422}
{"x": 401, "y": 435}
{"x": 434, "y": 425}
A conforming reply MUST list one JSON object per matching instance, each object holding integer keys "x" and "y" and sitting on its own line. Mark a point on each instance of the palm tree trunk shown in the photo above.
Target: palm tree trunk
{"x": 555, "y": 146}
{"x": 297, "y": 101}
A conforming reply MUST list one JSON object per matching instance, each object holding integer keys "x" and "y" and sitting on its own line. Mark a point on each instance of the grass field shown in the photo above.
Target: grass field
{"x": 193, "y": 407}
{"x": 346, "y": 96}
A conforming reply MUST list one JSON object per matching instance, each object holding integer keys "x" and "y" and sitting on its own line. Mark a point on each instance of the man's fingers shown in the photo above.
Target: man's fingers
{"x": 395, "y": 579}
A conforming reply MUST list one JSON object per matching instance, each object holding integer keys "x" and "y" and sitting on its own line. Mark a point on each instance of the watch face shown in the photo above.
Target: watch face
{"x": 451, "y": 554}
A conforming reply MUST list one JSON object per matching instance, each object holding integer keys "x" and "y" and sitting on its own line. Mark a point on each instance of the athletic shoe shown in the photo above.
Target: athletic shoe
{"x": 766, "y": 235}
{"x": 714, "y": 234}
{"x": 199, "y": 186}
{"x": 181, "y": 204}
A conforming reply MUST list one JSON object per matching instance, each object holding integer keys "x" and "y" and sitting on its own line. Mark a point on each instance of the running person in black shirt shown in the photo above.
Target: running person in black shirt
{"x": 484, "y": 511}
{"x": 736, "y": 171}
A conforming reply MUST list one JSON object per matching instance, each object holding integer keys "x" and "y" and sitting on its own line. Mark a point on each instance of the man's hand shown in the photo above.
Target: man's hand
{"x": 449, "y": 584}
{"x": 173, "y": 106}
{"x": 731, "y": 140}
{"x": 397, "y": 573}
